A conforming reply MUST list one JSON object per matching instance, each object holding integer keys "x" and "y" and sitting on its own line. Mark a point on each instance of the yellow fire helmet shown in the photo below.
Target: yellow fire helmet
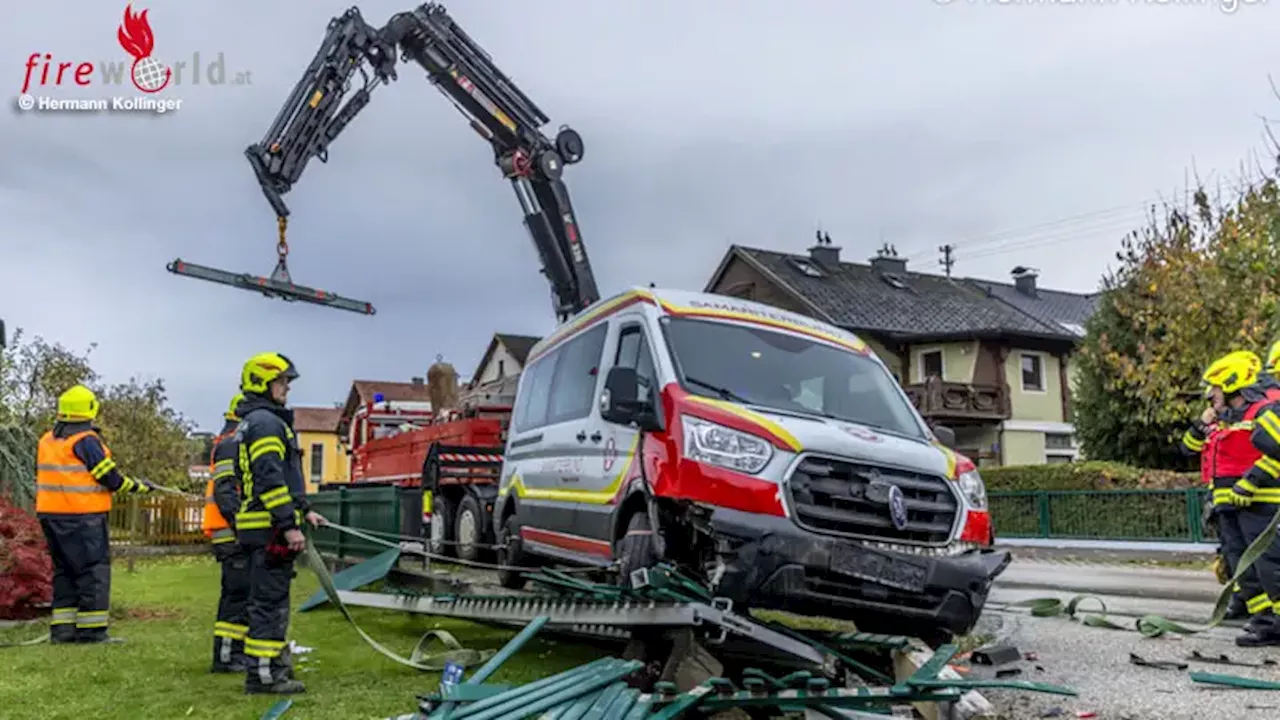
{"x": 262, "y": 368}
{"x": 78, "y": 404}
{"x": 1234, "y": 372}
{"x": 231, "y": 414}
{"x": 1273, "y": 357}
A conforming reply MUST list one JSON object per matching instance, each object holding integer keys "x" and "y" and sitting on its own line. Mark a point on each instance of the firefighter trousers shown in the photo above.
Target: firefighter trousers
{"x": 81, "y": 554}
{"x": 270, "y": 576}
{"x": 1257, "y": 588}
{"x": 232, "y": 623}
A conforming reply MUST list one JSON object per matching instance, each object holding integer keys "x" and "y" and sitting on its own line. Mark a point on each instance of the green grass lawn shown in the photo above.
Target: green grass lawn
{"x": 165, "y": 611}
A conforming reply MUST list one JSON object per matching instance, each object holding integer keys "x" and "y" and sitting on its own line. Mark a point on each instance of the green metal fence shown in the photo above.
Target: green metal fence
{"x": 1151, "y": 515}
{"x": 373, "y": 509}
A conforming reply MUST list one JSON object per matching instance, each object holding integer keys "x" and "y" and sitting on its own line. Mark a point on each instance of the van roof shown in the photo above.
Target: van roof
{"x": 684, "y": 303}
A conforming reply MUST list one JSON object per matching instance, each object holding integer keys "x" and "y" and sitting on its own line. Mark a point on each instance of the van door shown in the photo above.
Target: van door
{"x": 553, "y": 449}
{"x": 613, "y": 465}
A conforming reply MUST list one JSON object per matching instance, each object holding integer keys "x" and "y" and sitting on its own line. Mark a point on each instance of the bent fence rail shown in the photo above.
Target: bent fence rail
{"x": 1135, "y": 515}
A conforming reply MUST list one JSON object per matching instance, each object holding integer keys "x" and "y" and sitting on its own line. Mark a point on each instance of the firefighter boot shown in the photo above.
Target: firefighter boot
{"x": 1237, "y": 609}
{"x": 228, "y": 656}
{"x": 1263, "y": 631}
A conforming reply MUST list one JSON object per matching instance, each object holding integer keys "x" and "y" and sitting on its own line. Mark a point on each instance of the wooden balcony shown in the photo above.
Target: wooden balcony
{"x": 939, "y": 400}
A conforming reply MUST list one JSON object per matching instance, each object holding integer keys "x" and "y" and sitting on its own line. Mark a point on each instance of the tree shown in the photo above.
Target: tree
{"x": 1190, "y": 288}
{"x": 33, "y": 374}
{"x": 147, "y": 436}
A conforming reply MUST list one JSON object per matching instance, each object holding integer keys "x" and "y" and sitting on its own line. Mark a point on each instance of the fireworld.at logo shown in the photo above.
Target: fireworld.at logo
{"x": 146, "y": 72}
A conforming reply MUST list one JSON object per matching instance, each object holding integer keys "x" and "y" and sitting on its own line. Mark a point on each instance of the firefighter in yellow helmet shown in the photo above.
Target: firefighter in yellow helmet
{"x": 221, "y": 503}
{"x": 1264, "y": 478}
{"x": 75, "y": 477}
{"x": 272, "y": 508}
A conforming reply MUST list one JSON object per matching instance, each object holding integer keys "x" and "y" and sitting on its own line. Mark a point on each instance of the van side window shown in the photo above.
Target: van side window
{"x": 535, "y": 393}
{"x": 573, "y": 386}
{"x": 633, "y": 352}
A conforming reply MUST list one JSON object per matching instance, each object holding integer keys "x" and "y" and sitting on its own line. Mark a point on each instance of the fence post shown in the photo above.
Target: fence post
{"x": 1042, "y": 511}
{"x": 135, "y": 512}
{"x": 343, "y": 519}
{"x": 1194, "y": 515}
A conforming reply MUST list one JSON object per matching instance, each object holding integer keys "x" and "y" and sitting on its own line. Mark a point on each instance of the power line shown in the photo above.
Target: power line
{"x": 1126, "y": 217}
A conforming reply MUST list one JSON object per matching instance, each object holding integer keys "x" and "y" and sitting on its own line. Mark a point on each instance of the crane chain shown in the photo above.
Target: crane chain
{"x": 282, "y": 245}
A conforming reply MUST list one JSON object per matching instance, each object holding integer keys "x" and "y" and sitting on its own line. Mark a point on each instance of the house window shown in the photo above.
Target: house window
{"x": 931, "y": 364}
{"x": 317, "y": 462}
{"x": 502, "y": 368}
{"x": 1032, "y": 372}
{"x": 1059, "y": 448}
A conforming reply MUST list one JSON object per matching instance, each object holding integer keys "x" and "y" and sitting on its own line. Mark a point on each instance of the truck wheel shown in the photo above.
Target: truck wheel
{"x": 442, "y": 535}
{"x": 635, "y": 549}
{"x": 510, "y": 554}
{"x": 467, "y": 528}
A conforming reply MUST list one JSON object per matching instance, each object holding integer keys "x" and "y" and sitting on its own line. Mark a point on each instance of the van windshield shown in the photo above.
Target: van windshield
{"x": 786, "y": 372}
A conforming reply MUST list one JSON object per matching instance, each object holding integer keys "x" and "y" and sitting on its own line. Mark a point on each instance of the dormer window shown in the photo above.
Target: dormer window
{"x": 806, "y": 267}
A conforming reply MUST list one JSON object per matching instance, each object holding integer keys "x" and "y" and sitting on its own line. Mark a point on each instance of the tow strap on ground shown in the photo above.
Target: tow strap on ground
{"x": 1154, "y": 625}
{"x": 26, "y": 643}
{"x": 420, "y": 658}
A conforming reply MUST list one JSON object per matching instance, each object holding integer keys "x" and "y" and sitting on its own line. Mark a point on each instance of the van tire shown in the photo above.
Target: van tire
{"x": 635, "y": 549}
{"x": 440, "y": 542}
{"x": 510, "y": 554}
{"x": 468, "y": 528}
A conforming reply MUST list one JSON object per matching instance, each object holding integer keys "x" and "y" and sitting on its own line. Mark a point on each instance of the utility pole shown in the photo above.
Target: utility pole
{"x": 948, "y": 257}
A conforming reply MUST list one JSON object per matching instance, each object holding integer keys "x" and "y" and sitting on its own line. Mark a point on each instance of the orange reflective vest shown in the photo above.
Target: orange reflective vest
{"x": 215, "y": 527}
{"x": 63, "y": 484}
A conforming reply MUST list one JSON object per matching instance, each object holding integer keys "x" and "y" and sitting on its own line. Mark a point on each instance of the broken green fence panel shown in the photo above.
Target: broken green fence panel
{"x": 523, "y": 705}
{"x": 1234, "y": 681}
{"x": 280, "y": 708}
{"x": 513, "y": 646}
{"x": 536, "y": 687}
{"x": 468, "y": 693}
{"x": 996, "y": 685}
{"x": 604, "y": 700}
{"x": 356, "y": 577}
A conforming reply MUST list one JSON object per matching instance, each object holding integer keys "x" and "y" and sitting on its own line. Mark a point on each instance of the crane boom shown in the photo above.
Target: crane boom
{"x": 322, "y": 105}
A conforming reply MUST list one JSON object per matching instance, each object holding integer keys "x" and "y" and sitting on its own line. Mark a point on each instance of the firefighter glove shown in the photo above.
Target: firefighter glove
{"x": 1220, "y": 570}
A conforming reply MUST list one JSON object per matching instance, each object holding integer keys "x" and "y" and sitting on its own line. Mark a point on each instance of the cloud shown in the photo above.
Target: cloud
{"x": 705, "y": 123}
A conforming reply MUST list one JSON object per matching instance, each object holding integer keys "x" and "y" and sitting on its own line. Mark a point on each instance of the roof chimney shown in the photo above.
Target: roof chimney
{"x": 417, "y": 381}
{"x": 824, "y": 253}
{"x": 887, "y": 260}
{"x": 1024, "y": 280}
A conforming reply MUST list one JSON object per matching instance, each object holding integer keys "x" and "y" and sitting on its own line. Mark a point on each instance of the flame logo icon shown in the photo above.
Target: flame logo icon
{"x": 149, "y": 75}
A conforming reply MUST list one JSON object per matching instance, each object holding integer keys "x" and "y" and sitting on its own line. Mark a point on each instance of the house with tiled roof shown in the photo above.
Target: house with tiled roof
{"x": 324, "y": 460}
{"x": 990, "y": 361}
{"x": 496, "y": 376}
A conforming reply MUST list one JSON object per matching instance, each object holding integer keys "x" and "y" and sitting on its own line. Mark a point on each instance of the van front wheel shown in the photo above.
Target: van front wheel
{"x": 510, "y": 554}
{"x": 635, "y": 549}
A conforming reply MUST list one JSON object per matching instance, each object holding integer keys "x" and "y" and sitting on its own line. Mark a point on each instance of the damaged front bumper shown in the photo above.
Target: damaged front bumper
{"x": 770, "y": 563}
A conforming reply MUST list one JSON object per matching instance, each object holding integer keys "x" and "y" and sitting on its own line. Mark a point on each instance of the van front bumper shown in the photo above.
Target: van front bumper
{"x": 770, "y": 563}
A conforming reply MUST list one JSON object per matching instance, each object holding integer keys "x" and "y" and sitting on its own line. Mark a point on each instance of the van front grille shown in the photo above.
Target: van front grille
{"x": 840, "y": 497}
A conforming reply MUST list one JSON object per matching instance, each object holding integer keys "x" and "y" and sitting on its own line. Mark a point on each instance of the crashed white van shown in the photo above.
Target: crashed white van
{"x": 771, "y": 454}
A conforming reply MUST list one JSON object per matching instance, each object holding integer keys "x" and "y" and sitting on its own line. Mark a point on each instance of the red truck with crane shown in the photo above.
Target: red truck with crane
{"x": 453, "y": 454}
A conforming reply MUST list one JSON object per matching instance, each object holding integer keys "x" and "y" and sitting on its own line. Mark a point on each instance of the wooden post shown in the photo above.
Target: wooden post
{"x": 134, "y": 517}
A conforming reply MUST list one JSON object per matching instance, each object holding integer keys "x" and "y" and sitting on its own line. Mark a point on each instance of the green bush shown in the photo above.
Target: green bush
{"x": 1084, "y": 476}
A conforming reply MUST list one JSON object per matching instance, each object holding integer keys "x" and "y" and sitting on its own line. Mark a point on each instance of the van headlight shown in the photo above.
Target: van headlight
{"x": 714, "y": 444}
{"x": 974, "y": 489}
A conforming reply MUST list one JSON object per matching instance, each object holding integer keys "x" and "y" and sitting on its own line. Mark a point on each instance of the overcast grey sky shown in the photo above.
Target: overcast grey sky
{"x": 1027, "y": 133}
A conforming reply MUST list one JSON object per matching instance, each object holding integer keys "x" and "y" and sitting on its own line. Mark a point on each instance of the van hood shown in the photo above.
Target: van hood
{"x": 860, "y": 442}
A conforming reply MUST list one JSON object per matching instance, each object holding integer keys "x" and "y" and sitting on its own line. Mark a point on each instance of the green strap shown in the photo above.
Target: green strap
{"x": 26, "y": 643}
{"x": 1154, "y": 625}
{"x": 420, "y": 659}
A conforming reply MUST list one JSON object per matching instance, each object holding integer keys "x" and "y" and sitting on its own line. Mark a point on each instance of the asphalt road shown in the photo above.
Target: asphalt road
{"x": 1097, "y": 662}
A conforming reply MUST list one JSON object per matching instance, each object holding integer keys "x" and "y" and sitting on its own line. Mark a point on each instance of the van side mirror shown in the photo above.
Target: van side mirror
{"x": 620, "y": 402}
{"x": 945, "y": 435}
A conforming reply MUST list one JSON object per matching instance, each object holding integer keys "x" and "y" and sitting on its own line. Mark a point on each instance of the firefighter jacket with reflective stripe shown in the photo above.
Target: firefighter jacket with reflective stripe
{"x": 1233, "y": 460}
{"x": 1262, "y": 481}
{"x": 222, "y": 492}
{"x": 272, "y": 492}
{"x": 75, "y": 474}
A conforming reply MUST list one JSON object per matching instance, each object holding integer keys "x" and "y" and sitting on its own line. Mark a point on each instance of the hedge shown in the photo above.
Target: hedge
{"x": 1084, "y": 476}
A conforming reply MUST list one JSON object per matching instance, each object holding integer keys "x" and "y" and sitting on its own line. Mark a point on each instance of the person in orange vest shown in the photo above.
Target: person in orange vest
{"x": 221, "y": 503}
{"x": 75, "y": 477}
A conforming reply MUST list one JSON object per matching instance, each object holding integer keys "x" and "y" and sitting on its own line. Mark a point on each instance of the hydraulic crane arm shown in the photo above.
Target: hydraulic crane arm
{"x": 321, "y": 106}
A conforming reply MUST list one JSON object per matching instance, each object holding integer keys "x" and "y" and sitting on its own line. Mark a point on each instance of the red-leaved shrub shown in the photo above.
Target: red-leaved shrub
{"x": 26, "y": 572}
